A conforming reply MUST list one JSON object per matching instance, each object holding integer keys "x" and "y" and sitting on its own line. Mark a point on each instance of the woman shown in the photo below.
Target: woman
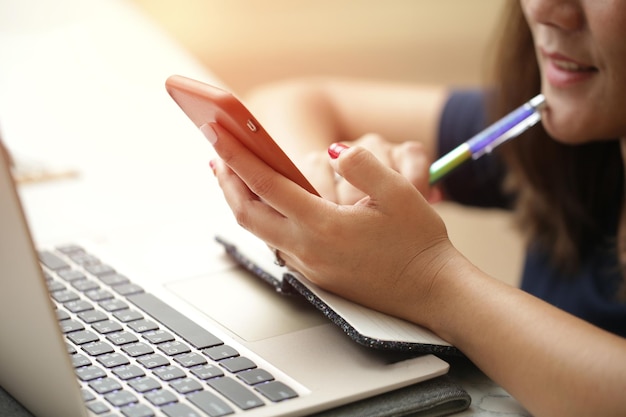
{"x": 563, "y": 360}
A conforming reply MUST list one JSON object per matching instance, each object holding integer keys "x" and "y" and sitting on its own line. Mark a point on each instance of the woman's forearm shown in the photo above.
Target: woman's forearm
{"x": 553, "y": 363}
{"x": 306, "y": 116}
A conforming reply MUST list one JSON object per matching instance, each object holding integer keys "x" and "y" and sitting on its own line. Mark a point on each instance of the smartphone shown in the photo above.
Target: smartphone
{"x": 204, "y": 103}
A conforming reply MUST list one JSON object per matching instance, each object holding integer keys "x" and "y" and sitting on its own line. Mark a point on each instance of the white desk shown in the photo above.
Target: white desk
{"x": 81, "y": 87}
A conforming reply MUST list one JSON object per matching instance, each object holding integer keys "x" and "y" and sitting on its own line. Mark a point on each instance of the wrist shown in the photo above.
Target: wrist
{"x": 451, "y": 282}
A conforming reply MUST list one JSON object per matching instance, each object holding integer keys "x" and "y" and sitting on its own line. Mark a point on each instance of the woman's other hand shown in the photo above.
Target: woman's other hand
{"x": 409, "y": 158}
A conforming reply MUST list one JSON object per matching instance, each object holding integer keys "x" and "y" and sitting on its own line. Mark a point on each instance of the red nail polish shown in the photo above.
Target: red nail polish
{"x": 335, "y": 149}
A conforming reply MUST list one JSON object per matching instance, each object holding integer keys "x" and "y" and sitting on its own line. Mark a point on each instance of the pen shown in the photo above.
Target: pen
{"x": 510, "y": 126}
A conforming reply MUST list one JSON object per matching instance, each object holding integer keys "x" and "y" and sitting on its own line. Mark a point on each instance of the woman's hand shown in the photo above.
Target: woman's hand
{"x": 407, "y": 158}
{"x": 384, "y": 251}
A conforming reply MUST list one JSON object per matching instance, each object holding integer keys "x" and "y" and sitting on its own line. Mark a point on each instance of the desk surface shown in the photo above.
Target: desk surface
{"x": 81, "y": 90}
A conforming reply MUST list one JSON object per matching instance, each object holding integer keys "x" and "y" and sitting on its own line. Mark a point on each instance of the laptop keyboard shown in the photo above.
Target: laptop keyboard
{"x": 136, "y": 356}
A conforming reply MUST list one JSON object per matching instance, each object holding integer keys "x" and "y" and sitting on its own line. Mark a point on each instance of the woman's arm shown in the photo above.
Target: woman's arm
{"x": 306, "y": 115}
{"x": 553, "y": 363}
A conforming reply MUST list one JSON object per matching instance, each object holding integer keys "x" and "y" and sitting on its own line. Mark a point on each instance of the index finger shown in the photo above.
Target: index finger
{"x": 278, "y": 191}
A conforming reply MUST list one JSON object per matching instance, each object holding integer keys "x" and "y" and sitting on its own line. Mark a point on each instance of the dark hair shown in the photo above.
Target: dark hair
{"x": 567, "y": 196}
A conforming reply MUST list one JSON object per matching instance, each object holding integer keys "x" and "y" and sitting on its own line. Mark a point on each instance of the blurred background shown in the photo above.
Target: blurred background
{"x": 250, "y": 42}
{"x": 247, "y": 42}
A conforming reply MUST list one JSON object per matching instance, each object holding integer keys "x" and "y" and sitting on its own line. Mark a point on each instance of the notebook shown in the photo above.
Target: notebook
{"x": 365, "y": 326}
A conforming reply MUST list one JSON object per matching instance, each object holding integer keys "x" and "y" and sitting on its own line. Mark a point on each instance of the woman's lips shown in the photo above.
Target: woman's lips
{"x": 562, "y": 71}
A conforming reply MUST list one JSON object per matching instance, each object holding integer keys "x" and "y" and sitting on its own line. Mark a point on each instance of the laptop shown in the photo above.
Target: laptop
{"x": 89, "y": 327}
{"x": 82, "y": 337}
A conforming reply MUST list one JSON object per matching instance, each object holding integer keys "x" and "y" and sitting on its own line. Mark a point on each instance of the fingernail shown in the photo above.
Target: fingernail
{"x": 209, "y": 133}
{"x": 335, "y": 149}
{"x": 212, "y": 165}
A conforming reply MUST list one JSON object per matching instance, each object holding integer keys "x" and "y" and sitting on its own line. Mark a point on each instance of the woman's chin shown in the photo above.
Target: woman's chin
{"x": 568, "y": 128}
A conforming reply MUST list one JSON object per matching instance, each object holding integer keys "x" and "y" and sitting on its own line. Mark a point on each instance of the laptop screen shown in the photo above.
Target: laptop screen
{"x": 34, "y": 364}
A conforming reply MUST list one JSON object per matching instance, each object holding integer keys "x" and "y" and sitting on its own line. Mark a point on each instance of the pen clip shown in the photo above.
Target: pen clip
{"x": 509, "y": 134}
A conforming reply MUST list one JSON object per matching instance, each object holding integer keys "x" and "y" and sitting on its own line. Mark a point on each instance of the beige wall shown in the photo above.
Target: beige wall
{"x": 247, "y": 42}
{"x": 250, "y": 41}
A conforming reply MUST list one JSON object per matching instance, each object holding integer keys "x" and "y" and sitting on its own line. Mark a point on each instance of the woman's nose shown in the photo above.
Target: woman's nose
{"x": 563, "y": 14}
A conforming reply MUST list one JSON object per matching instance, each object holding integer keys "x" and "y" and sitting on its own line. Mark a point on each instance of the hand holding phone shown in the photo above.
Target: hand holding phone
{"x": 204, "y": 103}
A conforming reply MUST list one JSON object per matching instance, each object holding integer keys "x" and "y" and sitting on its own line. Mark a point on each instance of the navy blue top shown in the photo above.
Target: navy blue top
{"x": 591, "y": 293}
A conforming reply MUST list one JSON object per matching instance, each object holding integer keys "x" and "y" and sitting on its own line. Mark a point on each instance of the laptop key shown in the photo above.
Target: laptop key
{"x": 169, "y": 373}
{"x": 107, "y": 326}
{"x": 52, "y": 261}
{"x": 141, "y": 326}
{"x": 237, "y": 364}
{"x": 121, "y": 398}
{"x": 92, "y": 316}
{"x": 62, "y": 315}
{"x": 55, "y": 286}
{"x": 98, "y": 348}
{"x": 83, "y": 258}
{"x": 89, "y": 373}
{"x": 189, "y": 360}
{"x": 99, "y": 295}
{"x": 80, "y": 360}
{"x": 105, "y": 385}
{"x": 210, "y": 404}
{"x": 255, "y": 376}
{"x": 69, "y": 248}
{"x": 207, "y": 372}
{"x": 64, "y": 296}
{"x": 70, "y": 274}
{"x": 113, "y": 305}
{"x": 82, "y": 337}
{"x": 114, "y": 279}
{"x": 68, "y": 326}
{"x": 158, "y": 336}
{"x": 179, "y": 410}
{"x": 99, "y": 269}
{"x": 276, "y": 391}
{"x": 186, "y": 385}
{"x": 236, "y": 392}
{"x": 221, "y": 352}
{"x": 98, "y": 407}
{"x": 137, "y": 410}
{"x": 127, "y": 315}
{"x": 122, "y": 338}
{"x": 129, "y": 372}
{"x": 83, "y": 285}
{"x": 144, "y": 384}
{"x": 128, "y": 289}
{"x": 190, "y": 331}
{"x": 78, "y": 306}
{"x": 113, "y": 360}
{"x": 153, "y": 361}
{"x": 174, "y": 348}
{"x": 87, "y": 395}
{"x": 137, "y": 349}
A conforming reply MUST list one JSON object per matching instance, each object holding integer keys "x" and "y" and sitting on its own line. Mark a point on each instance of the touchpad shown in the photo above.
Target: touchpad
{"x": 246, "y": 305}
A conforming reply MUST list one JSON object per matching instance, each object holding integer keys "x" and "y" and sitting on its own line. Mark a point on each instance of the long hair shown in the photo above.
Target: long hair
{"x": 567, "y": 196}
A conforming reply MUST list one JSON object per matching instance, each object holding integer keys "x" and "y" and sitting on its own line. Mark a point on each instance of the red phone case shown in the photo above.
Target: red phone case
{"x": 204, "y": 103}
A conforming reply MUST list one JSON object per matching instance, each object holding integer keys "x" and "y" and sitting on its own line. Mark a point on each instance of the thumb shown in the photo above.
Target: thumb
{"x": 363, "y": 170}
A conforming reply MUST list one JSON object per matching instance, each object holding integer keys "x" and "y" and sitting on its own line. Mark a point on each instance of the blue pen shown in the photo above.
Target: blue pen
{"x": 510, "y": 126}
